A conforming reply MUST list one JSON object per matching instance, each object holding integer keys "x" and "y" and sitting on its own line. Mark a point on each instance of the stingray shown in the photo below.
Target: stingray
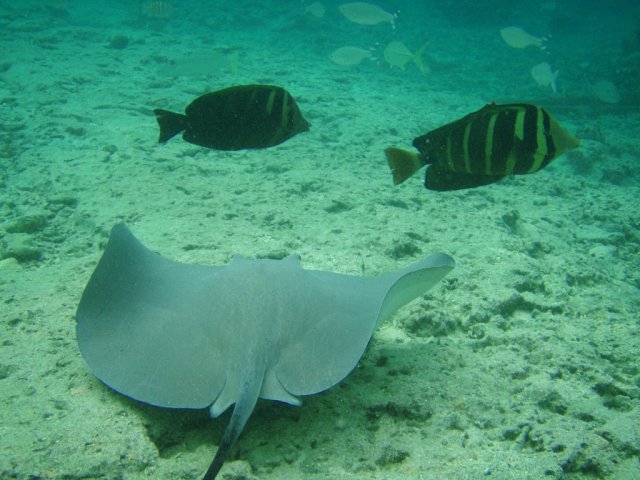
{"x": 190, "y": 336}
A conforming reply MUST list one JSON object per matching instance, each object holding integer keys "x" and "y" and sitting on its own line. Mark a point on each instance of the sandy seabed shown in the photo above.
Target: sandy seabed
{"x": 521, "y": 364}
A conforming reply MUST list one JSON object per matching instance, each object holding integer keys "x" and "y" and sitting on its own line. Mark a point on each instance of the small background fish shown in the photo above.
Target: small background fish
{"x": 203, "y": 64}
{"x": 316, "y": 9}
{"x": 366, "y": 14}
{"x": 516, "y": 37}
{"x": 545, "y": 76}
{"x": 396, "y": 54}
{"x": 349, "y": 56}
{"x": 157, "y": 9}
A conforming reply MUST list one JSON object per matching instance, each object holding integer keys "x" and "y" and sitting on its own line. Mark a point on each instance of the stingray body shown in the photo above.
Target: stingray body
{"x": 191, "y": 336}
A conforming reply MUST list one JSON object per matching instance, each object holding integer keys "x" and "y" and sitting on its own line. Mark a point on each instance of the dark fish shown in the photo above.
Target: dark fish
{"x": 483, "y": 147}
{"x": 247, "y": 116}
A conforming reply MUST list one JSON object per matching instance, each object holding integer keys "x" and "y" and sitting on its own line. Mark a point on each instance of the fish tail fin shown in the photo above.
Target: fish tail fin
{"x": 402, "y": 163}
{"x": 554, "y": 82}
{"x": 417, "y": 59}
{"x": 170, "y": 123}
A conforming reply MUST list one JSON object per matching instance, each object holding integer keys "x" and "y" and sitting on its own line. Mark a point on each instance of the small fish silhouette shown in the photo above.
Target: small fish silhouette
{"x": 160, "y": 9}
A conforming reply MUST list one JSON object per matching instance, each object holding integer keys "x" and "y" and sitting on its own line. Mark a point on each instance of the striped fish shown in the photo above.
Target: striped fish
{"x": 236, "y": 118}
{"x": 157, "y": 9}
{"x": 483, "y": 147}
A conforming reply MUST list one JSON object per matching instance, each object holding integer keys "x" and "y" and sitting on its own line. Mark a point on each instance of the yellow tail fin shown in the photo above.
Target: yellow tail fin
{"x": 417, "y": 59}
{"x": 402, "y": 163}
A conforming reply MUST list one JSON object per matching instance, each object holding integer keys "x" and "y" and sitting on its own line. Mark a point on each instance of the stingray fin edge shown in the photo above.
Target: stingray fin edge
{"x": 413, "y": 281}
{"x": 272, "y": 389}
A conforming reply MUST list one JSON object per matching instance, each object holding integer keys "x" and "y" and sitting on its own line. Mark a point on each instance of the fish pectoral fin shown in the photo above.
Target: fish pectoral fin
{"x": 402, "y": 163}
{"x": 442, "y": 179}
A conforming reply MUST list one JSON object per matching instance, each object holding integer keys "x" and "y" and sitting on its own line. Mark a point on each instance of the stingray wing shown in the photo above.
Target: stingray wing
{"x": 184, "y": 336}
{"x": 342, "y": 315}
{"x": 135, "y": 317}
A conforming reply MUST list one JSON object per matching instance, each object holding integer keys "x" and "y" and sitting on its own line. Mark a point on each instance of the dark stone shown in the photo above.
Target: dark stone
{"x": 119, "y": 42}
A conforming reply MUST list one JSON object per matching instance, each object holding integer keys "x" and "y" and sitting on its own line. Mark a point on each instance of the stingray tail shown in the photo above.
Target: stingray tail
{"x": 221, "y": 455}
{"x": 170, "y": 123}
{"x": 241, "y": 413}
